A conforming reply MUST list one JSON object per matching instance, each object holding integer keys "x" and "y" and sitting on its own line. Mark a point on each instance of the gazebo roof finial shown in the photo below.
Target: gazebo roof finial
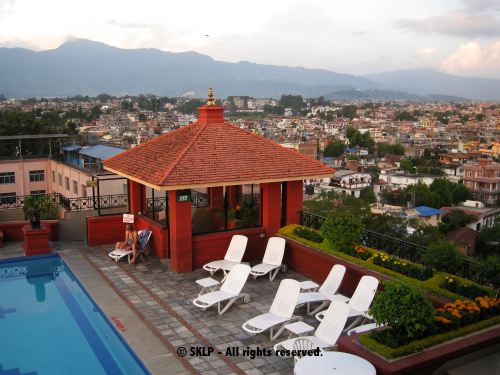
{"x": 210, "y": 99}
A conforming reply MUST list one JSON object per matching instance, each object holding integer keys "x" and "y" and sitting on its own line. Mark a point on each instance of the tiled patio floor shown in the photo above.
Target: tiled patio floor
{"x": 163, "y": 300}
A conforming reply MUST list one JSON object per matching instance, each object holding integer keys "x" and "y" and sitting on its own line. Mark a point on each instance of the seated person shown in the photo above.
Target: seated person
{"x": 130, "y": 242}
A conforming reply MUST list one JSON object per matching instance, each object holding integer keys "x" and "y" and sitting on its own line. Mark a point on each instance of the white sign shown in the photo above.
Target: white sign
{"x": 162, "y": 215}
{"x": 128, "y": 218}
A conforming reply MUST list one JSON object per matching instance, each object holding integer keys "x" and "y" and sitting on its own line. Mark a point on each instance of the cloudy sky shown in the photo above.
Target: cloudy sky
{"x": 356, "y": 36}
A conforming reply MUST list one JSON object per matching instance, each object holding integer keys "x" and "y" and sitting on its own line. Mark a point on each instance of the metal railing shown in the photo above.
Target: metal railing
{"x": 69, "y": 204}
{"x": 468, "y": 268}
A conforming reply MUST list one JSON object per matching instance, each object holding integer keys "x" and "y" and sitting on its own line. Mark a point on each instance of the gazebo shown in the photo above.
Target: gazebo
{"x": 197, "y": 186}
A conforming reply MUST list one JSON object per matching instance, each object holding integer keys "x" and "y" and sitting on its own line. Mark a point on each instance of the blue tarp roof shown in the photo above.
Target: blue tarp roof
{"x": 428, "y": 211}
{"x": 100, "y": 151}
{"x": 70, "y": 147}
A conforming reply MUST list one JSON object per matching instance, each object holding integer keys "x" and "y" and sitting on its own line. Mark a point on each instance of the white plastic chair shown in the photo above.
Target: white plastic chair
{"x": 229, "y": 292}
{"x": 280, "y": 313}
{"x": 234, "y": 255}
{"x": 301, "y": 345}
{"x": 327, "y": 291}
{"x": 143, "y": 237}
{"x": 273, "y": 257}
{"x": 360, "y": 301}
{"x": 327, "y": 333}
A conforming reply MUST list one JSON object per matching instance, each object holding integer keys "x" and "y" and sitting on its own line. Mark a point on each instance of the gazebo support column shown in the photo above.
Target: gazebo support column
{"x": 271, "y": 207}
{"x": 294, "y": 201}
{"x": 181, "y": 245}
{"x": 233, "y": 194}
{"x": 135, "y": 197}
{"x": 217, "y": 197}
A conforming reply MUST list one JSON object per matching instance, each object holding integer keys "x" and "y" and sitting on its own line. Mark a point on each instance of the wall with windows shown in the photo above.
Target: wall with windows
{"x": 44, "y": 176}
{"x": 20, "y": 177}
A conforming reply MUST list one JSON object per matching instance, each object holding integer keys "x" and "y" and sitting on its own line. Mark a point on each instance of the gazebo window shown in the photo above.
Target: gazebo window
{"x": 225, "y": 208}
{"x": 156, "y": 205}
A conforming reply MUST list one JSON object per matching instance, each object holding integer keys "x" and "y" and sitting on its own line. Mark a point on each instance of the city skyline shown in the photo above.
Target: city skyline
{"x": 456, "y": 36}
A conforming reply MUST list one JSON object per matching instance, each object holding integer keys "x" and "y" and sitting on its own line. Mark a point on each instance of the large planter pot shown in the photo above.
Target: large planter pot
{"x": 316, "y": 265}
{"x": 427, "y": 361}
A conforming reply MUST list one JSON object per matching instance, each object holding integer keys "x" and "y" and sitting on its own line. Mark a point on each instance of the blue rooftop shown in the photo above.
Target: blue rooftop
{"x": 100, "y": 151}
{"x": 426, "y": 211}
{"x": 70, "y": 147}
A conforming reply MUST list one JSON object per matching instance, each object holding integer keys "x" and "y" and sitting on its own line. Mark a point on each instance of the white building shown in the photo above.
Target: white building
{"x": 349, "y": 182}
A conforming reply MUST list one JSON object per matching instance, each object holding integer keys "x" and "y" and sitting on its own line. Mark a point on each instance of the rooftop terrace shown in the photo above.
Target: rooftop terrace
{"x": 152, "y": 307}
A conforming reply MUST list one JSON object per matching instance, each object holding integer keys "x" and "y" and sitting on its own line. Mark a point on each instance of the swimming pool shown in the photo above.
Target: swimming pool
{"x": 50, "y": 325}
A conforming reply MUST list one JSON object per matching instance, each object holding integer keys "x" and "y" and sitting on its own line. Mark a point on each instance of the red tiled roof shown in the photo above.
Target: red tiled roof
{"x": 212, "y": 152}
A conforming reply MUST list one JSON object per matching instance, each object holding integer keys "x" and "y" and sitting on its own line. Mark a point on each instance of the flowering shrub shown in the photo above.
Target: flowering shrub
{"x": 402, "y": 266}
{"x": 450, "y": 318}
{"x": 454, "y": 285}
{"x": 464, "y": 312}
{"x": 357, "y": 251}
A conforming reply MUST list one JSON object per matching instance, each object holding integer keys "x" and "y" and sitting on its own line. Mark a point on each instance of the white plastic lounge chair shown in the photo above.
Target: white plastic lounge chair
{"x": 273, "y": 257}
{"x": 327, "y": 291}
{"x": 233, "y": 256}
{"x": 327, "y": 333}
{"x": 364, "y": 328}
{"x": 229, "y": 292}
{"x": 280, "y": 313}
{"x": 143, "y": 237}
{"x": 360, "y": 301}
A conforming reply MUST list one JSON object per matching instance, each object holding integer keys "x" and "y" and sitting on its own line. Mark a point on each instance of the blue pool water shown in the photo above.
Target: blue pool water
{"x": 49, "y": 325}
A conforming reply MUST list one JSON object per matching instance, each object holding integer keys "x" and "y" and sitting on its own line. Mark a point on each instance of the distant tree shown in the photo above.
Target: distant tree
{"x": 386, "y": 148}
{"x": 443, "y": 256}
{"x": 103, "y": 98}
{"x": 2, "y": 97}
{"x": 427, "y": 154}
{"x": 480, "y": 116}
{"x": 406, "y": 165}
{"x": 389, "y": 225}
{"x": 348, "y": 111}
{"x": 423, "y": 234}
{"x": 142, "y": 117}
{"x": 490, "y": 270}
{"x": 322, "y": 101}
{"x": 127, "y": 105}
{"x": 274, "y": 110}
{"x": 454, "y": 219}
{"x": 461, "y": 193}
{"x": 295, "y": 102}
{"x": 405, "y": 116}
{"x": 367, "y": 195}
{"x": 488, "y": 242}
{"x": 190, "y": 106}
{"x": 95, "y": 112}
{"x": 334, "y": 149}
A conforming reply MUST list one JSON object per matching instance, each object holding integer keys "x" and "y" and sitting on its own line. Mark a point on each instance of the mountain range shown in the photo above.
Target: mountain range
{"x": 84, "y": 67}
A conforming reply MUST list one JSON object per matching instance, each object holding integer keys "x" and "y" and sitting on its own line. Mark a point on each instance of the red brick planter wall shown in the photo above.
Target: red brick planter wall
{"x": 13, "y": 230}
{"x": 316, "y": 265}
{"x": 213, "y": 246}
{"x": 159, "y": 236}
{"x": 104, "y": 230}
{"x": 425, "y": 362}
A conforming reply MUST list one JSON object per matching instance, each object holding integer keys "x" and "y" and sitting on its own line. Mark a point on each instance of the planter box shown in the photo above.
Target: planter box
{"x": 427, "y": 361}
{"x": 36, "y": 241}
{"x": 316, "y": 265}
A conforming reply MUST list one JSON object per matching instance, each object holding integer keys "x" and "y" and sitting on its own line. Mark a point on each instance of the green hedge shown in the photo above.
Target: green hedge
{"x": 419, "y": 345}
{"x": 308, "y": 234}
{"x": 431, "y": 285}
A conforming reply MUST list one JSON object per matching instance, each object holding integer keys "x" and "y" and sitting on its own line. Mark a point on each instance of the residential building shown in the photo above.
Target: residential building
{"x": 350, "y": 182}
{"x": 483, "y": 179}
